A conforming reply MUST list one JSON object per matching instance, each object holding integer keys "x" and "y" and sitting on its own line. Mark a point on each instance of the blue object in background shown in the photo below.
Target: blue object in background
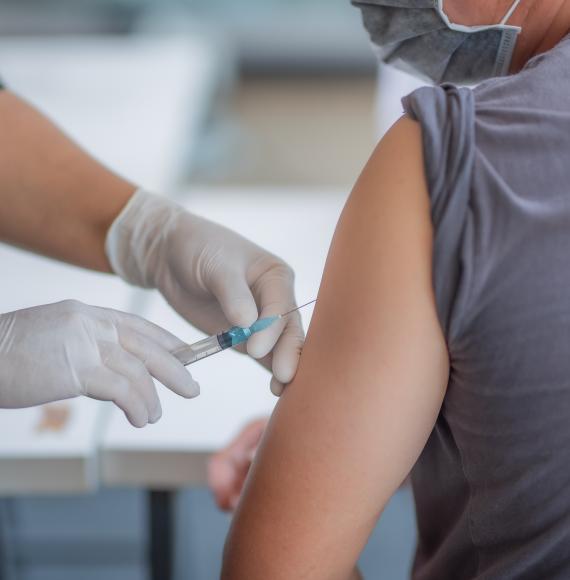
{"x": 104, "y": 537}
{"x": 390, "y": 551}
{"x": 388, "y": 554}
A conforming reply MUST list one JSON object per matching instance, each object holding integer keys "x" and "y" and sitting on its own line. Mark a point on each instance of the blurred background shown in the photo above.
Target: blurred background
{"x": 225, "y": 105}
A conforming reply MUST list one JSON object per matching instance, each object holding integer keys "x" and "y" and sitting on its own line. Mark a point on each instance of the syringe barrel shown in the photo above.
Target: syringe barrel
{"x": 192, "y": 353}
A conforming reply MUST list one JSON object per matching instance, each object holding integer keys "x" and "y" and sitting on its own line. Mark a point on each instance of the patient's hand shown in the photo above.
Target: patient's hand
{"x": 229, "y": 467}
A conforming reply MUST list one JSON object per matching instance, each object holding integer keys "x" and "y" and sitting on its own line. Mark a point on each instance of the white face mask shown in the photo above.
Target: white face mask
{"x": 418, "y": 37}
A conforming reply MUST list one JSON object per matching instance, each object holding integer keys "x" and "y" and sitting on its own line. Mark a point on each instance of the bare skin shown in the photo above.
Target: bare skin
{"x": 56, "y": 199}
{"x": 350, "y": 427}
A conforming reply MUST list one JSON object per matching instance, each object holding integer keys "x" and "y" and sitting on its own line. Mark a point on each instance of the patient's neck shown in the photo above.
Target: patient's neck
{"x": 544, "y": 25}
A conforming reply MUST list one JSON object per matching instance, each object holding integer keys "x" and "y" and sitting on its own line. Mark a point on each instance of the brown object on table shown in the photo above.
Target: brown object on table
{"x": 54, "y": 417}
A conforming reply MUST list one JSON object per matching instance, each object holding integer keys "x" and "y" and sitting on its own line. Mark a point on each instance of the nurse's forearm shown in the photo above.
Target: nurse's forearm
{"x": 54, "y": 198}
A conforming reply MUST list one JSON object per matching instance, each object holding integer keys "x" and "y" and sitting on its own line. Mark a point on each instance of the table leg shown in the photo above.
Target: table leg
{"x": 3, "y": 555}
{"x": 7, "y": 529}
{"x": 161, "y": 514}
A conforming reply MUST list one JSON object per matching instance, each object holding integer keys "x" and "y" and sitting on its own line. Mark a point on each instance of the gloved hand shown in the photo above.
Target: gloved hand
{"x": 210, "y": 275}
{"x": 67, "y": 349}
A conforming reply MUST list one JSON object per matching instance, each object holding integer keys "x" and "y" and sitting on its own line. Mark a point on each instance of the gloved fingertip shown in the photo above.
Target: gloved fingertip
{"x": 185, "y": 385}
{"x": 192, "y": 390}
{"x": 138, "y": 422}
{"x": 156, "y": 416}
{"x": 257, "y": 349}
{"x": 285, "y": 366}
{"x": 260, "y": 345}
{"x": 276, "y": 387}
{"x": 241, "y": 312}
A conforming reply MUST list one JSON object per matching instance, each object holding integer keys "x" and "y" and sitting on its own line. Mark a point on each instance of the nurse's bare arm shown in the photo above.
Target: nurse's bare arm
{"x": 368, "y": 391}
{"x": 54, "y": 198}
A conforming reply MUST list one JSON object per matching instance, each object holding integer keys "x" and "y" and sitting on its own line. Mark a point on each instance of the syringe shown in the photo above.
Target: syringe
{"x": 206, "y": 347}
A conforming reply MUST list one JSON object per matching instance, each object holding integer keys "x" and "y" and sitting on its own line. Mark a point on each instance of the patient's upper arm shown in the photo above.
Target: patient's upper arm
{"x": 368, "y": 390}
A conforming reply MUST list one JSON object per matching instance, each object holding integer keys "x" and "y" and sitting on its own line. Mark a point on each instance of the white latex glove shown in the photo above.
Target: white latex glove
{"x": 67, "y": 349}
{"x": 210, "y": 275}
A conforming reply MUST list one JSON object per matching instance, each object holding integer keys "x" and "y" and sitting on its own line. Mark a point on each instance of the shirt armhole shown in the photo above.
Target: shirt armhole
{"x": 446, "y": 115}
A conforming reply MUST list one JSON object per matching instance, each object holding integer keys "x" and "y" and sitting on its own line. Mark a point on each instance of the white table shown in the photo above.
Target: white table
{"x": 137, "y": 103}
{"x": 294, "y": 224}
{"x": 64, "y": 461}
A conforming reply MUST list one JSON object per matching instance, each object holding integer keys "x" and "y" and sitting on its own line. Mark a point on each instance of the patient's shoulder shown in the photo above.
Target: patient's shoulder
{"x": 396, "y": 169}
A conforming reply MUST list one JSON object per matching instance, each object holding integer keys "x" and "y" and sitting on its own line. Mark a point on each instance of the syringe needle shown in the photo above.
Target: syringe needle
{"x": 298, "y": 308}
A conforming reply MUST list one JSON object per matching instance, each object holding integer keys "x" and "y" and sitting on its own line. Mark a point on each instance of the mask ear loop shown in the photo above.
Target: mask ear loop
{"x": 438, "y": 5}
{"x": 510, "y": 12}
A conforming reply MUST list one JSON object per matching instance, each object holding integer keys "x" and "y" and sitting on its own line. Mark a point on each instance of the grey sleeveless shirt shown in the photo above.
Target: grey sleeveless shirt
{"x": 492, "y": 487}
